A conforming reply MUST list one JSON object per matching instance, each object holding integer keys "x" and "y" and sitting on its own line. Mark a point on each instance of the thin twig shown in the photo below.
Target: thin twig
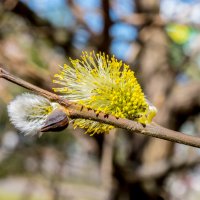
{"x": 78, "y": 111}
{"x": 49, "y": 95}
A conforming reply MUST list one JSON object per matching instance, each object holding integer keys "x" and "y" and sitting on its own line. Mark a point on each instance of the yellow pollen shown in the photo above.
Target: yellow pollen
{"x": 104, "y": 84}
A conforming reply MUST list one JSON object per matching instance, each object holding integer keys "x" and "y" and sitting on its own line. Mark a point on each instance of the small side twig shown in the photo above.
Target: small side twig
{"x": 77, "y": 111}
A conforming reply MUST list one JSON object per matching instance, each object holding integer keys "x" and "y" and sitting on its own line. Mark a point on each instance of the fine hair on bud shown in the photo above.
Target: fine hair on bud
{"x": 28, "y": 112}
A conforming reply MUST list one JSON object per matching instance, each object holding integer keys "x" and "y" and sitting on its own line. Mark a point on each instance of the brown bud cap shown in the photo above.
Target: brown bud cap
{"x": 56, "y": 121}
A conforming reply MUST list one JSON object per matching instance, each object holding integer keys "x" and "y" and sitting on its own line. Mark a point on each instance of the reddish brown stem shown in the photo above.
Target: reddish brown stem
{"x": 77, "y": 111}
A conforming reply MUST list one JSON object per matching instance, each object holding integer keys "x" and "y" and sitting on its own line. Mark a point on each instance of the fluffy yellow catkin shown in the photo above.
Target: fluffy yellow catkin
{"x": 106, "y": 85}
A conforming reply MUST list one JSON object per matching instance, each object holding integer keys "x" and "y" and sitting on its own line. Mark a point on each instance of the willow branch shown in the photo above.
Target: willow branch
{"x": 78, "y": 111}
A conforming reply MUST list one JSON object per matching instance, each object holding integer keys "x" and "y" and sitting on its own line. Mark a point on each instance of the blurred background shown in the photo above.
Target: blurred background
{"x": 160, "y": 40}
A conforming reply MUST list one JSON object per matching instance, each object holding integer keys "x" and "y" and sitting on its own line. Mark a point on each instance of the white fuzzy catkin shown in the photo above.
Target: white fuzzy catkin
{"x": 28, "y": 113}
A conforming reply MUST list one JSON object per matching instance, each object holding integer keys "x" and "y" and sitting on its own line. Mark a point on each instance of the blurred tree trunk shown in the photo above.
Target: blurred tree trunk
{"x": 156, "y": 75}
{"x": 157, "y": 79}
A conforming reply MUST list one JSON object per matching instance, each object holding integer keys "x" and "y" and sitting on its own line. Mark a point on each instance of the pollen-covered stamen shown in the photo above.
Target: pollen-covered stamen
{"x": 104, "y": 84}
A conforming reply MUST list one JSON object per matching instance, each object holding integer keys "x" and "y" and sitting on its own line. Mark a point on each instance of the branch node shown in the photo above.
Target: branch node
{"x": 2, "y": 71}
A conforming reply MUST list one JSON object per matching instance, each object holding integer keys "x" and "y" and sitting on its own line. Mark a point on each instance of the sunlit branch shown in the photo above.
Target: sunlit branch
{"x": 78, "y": 111}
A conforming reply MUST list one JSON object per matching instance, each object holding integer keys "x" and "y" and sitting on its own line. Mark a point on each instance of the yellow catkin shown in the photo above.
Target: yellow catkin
{"x": 106, "y": 85}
